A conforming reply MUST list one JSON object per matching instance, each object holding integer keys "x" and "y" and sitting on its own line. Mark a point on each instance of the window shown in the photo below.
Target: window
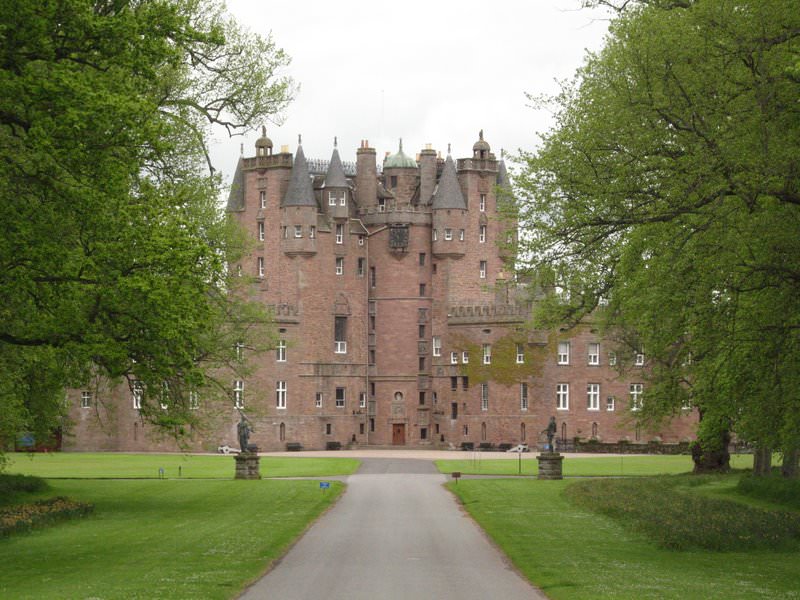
{"x": 460, "y": 235}
{"x": 482, "y": 269}
{"x": 421, "y": 259}
{"x": 484, "y": 396}
{"x": 381, "y": 205}
{"x": 465, "y": 383}
{"x": 563, "y": 353}
{"x": 280, "y": 351}
{"x": 593, "y": 396}
{"x": 328, "y": 429}
{"x": 260, "y": 266}
{"x": 86, "y": 399}
{"x": 285, "y": 231}
{"x": 435, "y": 234}
{"x": 339, "y": 233}
{"x": 465, "y": 357}
{"x": 482, "y": 205}
{"x": 298, "y": 231}
{"x": 636, "y": 396}
{"x": 482, "y": 234}
{"x": 360, "y": 266}
{"x": 422, "y": 398}
{"x": 373, "y": 277}
{"x": 238, "y": 350}
{"x": 437, "y": 345}
{"x": 520, "y": 354}
{"x": 312, "y": 231}
{"x": 362, "y": 400}
{"x": 454, "y": 383}
{"x": 280, "y": 395}
{"x": 318, "y": 400}
{"x": 448, "y": 234}
{"x": 331, "y": 198}
{"x": 261, "y": 231}
{"x": 238, "y": 393}
{"x": 421, "y": 363}
{"x": 194, "y": 400}
{"x": 612, "y": 358}
{"x": 423, "y": 433}
{"x": 138, "y": 393}
{"x": 262, "y": 199}
{"x": 454, "y": 358}
{"x": 340, "y": 265}
{"x": 454, "y": 410}
{"x": 393, "y": 181}
{"x": 610, "y": 403}
{"x": 639, "y": 359}
{"x": 594, "y": 354}
{"x": 422, "y": 289}
{"x": 340, "y": 335}
{"x": 562, "y": 396}
{"x": 340, "y": 397}
{"x": 487, "y": 354}
{"x": 361, "y": 240}
{"x": 523, "y": 396}
{"x": 421, "y": 331}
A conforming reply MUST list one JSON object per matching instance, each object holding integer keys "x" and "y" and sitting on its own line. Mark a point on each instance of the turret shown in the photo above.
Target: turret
{"x": 299, "y": 210}
{"x": 449, "y": 213}
{"x": 336, "y": 193}
{"x": 400, "y": 175}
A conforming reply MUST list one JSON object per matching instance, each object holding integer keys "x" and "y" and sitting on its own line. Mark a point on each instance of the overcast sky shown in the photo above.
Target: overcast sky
{"x": 427, "y": 71}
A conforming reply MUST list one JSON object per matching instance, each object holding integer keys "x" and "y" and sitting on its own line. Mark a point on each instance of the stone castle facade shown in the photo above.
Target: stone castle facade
{"x": 397, "y": 323}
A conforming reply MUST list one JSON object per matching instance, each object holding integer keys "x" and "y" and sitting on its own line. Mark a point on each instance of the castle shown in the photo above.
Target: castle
{"x": 397, "y": 322}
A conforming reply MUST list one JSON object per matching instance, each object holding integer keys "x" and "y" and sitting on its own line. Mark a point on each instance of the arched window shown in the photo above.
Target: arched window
{"x": 522, "y": 433}
{"x": 282, "y": 431}
{"x": 594, "y": 430}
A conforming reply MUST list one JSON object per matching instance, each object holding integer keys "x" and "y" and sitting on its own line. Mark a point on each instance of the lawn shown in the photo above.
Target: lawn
{"x": 572, "y": 553}
{"x": 161, "y": 539}
{"x": 185, "y": 466}
{"x": 597, "y": 466}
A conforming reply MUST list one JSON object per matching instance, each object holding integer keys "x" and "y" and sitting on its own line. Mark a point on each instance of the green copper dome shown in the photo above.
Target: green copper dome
{"x": 399, "y": 160}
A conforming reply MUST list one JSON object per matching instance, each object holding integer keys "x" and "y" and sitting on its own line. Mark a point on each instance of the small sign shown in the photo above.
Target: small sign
{"x": 324, "y": 485}
{"x": 455, "y": 474}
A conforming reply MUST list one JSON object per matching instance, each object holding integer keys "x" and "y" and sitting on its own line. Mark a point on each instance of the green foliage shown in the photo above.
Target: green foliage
{"x": 162, "y": 539}
{"x": 669, "y": 188}
{"x": 26, "y": 517}
{"x": 682, "y": 521}
{"x": 772, "y": 488}
{"x": 113, "y": 246}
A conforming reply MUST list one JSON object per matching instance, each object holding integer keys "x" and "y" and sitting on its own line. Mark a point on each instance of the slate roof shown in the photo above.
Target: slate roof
{"x": 335, "y": 176}
{"x": 236, "y": 195}
{"x": 300, "y": 191}
{"x": 448, "y": 193}
{"x": 502, "y": 175}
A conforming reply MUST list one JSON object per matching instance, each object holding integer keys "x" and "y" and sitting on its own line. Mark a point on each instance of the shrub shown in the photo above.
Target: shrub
{"x": 11, "y": 485}
{"x": 773, "y": 488}
{"x": 24, "y": 517}
{"x": 683, "y": 520}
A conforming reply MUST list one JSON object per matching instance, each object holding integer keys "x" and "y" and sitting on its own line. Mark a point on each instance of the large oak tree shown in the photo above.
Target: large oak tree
{"x": 113, "y": 246}
{"x": 670, "y": 189}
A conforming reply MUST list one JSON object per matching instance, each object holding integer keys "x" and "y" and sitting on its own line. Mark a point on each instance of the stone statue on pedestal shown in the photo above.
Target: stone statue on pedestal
{"x": 243, "y": 429}
{"x": 551, "y": 434}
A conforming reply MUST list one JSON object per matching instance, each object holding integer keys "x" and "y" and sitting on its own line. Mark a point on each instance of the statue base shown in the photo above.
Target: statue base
{"x": 550, "y": 465}
{"x": 247, "y": 464}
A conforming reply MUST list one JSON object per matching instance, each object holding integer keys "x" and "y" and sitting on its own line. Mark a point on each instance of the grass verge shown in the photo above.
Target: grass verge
{"x": 186, "y": 466}
{"x": 572, "y": 553}
{"x": 161, "y": 539}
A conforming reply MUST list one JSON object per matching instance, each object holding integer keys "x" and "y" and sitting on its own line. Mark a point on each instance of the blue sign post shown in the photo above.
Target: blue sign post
{"x": 324, "y": 485}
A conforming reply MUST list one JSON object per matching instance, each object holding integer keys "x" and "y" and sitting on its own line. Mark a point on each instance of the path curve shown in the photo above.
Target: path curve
{"x": 396, "y": 533}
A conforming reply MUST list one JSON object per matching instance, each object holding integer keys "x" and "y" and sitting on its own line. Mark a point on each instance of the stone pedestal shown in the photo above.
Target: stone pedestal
{"x": 247, "y": 464}
{"x": 550, "y": 465}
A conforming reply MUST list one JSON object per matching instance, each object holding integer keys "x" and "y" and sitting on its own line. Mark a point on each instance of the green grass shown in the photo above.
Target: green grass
{"x": 595, "y": 466}
{"x": 572, "y": 553}
{"x": 161, "y": 539}
{"x": 207, "y": 466}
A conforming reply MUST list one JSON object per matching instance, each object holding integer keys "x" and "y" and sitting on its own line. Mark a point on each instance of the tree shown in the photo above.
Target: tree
{"x": 113, "y": 245}
{"x": 665, "y": 203}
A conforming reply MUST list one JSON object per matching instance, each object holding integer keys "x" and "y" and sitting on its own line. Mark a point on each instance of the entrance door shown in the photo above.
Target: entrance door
{"x": 399, "y": 434}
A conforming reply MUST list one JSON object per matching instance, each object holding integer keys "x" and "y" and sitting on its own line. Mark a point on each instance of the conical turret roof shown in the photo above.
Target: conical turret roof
{"x": 300, "y": 191}
{"x": 335, "y": 178}
{"x": 448, "y": 193}
{"x": 236, "y": 195}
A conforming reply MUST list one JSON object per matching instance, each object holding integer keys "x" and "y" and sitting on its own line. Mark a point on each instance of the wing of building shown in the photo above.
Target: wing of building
{"x": 397, "y": 321}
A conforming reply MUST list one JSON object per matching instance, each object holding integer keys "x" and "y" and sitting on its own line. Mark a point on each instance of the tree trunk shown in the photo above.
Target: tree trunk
{"x": 762, "y": 461}
{"x": 715, "y": 459}
{"x": 789, "y": 468}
